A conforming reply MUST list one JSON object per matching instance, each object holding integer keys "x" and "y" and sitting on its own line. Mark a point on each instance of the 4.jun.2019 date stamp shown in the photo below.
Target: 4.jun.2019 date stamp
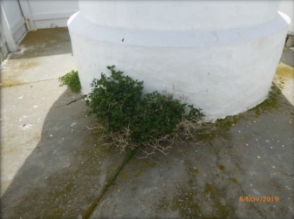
{"x": 259, "y": 199}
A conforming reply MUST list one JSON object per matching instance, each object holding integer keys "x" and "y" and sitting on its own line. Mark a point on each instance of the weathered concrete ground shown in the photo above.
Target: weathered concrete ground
{"x": 53, "y": 167}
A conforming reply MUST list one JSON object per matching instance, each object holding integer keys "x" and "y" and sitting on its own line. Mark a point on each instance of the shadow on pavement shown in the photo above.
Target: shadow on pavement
{"x": 251, "y": 155}
{"x": 65, "y": 172}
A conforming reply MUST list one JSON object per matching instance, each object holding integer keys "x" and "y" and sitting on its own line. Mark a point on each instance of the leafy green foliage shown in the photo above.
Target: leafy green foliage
{"x": 118, "y": 104}
{"x": 158, "y": 116}
{"x": 115, "y": 100}
{"x": 72, "y": 80}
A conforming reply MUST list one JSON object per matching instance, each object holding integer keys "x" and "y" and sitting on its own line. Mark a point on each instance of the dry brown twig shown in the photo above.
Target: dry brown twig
{"x": 186, "y": 130}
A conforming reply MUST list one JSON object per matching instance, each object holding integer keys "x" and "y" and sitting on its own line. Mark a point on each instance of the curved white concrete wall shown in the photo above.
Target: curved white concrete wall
{"x": 178, "y": 15}
{"x": 287, "y": 8}
{"x": 220, "y": 66}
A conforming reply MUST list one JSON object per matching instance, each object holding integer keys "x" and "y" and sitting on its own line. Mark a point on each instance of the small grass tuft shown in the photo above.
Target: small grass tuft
{"x": 72, "y": 80}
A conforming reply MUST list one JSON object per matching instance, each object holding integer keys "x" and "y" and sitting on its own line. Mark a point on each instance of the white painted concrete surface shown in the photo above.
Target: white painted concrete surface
{"x": 287, "y": 7}
{"x": 178, "y": 15}
{"x": 48, "y": 13}
{"x": 221, "y": 56}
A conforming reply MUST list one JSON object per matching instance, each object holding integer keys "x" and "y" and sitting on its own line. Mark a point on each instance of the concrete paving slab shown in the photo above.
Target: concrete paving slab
{"x": 43, "y": 54}
{"x": 51, "y": 166}
{"x": 288, "y": 56}
{"x": 254, "y": 158}
{"x": 243, "y": 170}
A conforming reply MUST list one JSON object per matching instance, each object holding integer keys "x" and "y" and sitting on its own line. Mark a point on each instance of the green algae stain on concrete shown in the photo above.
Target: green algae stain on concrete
{"x": 45, "y": 41}
{"x": 221, "y": 167}
{"x": 167, "y": 163}
{"x": 284, "y": 79}
{"x": 138, "y": 173}
{"x": 194, "y": 202}
{"x": 272, "y": 102}
{"x": 234, "y": 180}
{"x": 228, "y": 122}
{"x": 215, "y": 194}
{"x": 43, "y": 35}
{"x": 126, "y": 176}
{"x": 10, "y": 81}
{"x": 186, "y": 205}
{"x": 195, "y": 171}
{"x": 150, "y": 164}
{"x": 13, "y": 73}
{"x": 292, "y": 115}
{"x": 220, "y": 128}
{"x": 26, "y": 63}
{"x": 284, "y": 72}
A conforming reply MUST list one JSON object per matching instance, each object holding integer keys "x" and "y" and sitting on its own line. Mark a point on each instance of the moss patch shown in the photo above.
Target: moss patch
{"x": 234, "y": 180}
{"x": 189, "y": 203}
{"x": 270, "y": 103}
{"x": 221, "y": 167}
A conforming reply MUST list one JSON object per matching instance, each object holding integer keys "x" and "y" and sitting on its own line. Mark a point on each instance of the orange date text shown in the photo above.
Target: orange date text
{"x": 259, "y": 199}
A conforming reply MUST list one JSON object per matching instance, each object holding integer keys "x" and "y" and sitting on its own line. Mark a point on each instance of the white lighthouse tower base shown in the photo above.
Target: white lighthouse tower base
{"x": 220, "y": 55}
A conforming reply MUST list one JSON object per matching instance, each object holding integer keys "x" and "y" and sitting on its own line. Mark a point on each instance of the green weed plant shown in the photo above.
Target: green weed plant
{"x": 72, "y": 80}
{"x": 135, "y": 119}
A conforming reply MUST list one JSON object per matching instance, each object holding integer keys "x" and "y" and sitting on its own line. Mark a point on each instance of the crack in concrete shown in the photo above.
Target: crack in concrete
{"x": 95, "y": 203}
{"x": 238, "y": 185}
{"x": 75, "y": 100}
{"x": 31, "y": 82}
